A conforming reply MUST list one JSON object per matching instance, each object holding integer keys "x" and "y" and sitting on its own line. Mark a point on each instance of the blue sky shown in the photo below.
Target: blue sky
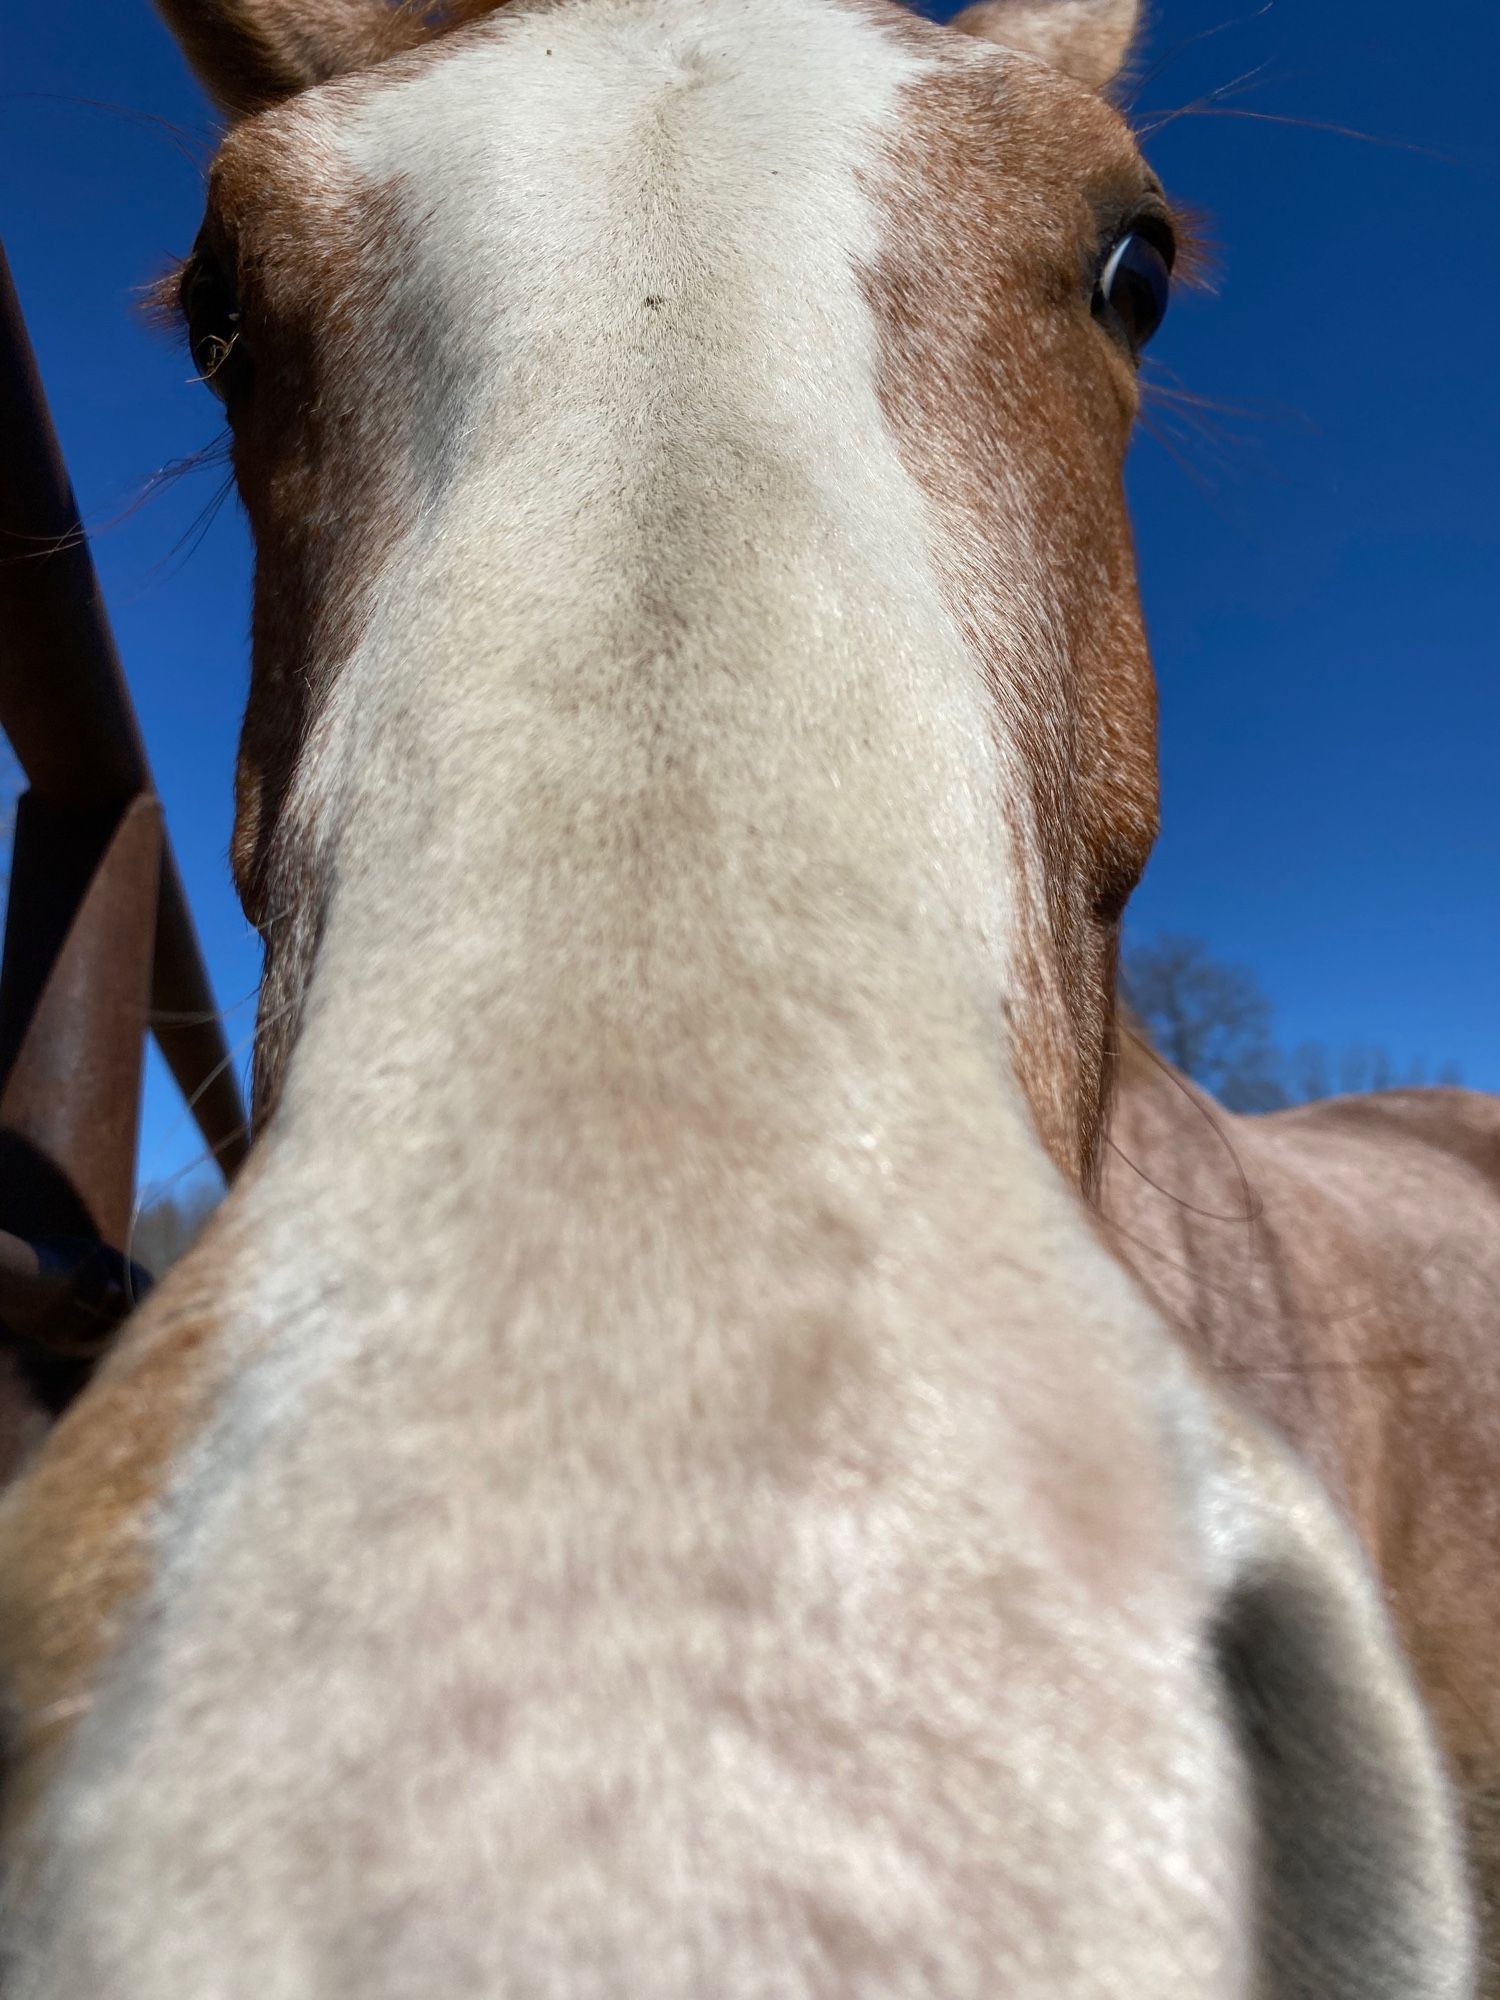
{"x": 1319, "y": 567}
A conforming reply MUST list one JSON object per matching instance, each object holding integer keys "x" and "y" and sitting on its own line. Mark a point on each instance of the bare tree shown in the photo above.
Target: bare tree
{"x": 1212, "y": 1020}
{"x": 1309, "y": 1073}
{"x": 168, "y": 1225}
{"x": 1355, "y": 1070}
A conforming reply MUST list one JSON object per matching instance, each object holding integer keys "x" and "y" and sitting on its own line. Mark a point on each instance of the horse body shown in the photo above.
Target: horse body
{"x": 1338, "y": 1265}
{"x": 655, "y": 1481}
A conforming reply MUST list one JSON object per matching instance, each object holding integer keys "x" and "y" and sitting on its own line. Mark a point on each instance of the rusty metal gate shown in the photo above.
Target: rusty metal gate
{"x": 100, "y": 947}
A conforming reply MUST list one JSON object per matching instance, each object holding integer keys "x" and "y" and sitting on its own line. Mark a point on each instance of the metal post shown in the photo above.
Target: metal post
{"x": 75, "y": 993}
{"x": 98, "y": 934}
{"x": 68, "y": 714}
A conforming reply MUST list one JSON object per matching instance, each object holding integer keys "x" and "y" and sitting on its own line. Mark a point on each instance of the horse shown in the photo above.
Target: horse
{"x": 659, "y": 1478}
{"x": 1339, "y": 1264}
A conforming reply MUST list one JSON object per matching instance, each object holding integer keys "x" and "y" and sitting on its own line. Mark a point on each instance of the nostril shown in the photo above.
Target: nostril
{"x": 1242, "y": 1642}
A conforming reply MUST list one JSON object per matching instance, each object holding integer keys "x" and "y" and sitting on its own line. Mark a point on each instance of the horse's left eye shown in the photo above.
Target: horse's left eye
{"x": 1134, "y": 288}
{"x": 215, "y": 331}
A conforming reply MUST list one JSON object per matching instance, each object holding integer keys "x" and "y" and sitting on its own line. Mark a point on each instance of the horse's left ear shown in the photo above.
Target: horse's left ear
{"x": 248, "y": 54}
{"x": 1087, "y": 39}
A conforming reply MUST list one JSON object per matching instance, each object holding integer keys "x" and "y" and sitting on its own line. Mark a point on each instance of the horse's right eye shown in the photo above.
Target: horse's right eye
{"x": 1135, "y": 285}
{"x": 216, "y": 335}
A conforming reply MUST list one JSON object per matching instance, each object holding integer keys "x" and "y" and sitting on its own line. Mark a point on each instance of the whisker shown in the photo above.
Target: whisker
{"x": 214, "y": 453}
{"x": 1299, "y": 1370}
{"x": 1164, "y": 385}
{"x": 1235, "y": 86}
{"x": 1241, "y": 1296}
{"x": 1181, "y": 1201}
{"x": 1191, "y": 42}
{"x": 194, "y": 148}
{"x": 1204, "y": 109}
{"x": 1196, "y": 429}
{"x": 192, "y": 538}
{"x": 1160, "y": 435}
{"x": 155, "y": 1187}
{"x": 1253, "y": 1205}
{"x": 167, "y": 1018}
{"x": 44, "y": 547}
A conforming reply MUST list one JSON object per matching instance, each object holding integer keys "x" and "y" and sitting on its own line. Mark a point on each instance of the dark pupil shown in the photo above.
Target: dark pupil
{"x": 213, "y": 318}
{"x": 1138, "y": 288}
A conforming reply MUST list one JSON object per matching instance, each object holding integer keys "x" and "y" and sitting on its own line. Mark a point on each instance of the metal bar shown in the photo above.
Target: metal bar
{"x": 66, "y": 1297}
{"x": 66, "y": 709}
{"x": 75, "y": 993}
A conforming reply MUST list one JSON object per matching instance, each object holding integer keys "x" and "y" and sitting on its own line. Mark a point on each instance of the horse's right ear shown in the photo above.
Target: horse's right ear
{"x": 1361, "y": 1891}
{"x": 1087, "y": 39}
{"x": 248, "y": 54}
